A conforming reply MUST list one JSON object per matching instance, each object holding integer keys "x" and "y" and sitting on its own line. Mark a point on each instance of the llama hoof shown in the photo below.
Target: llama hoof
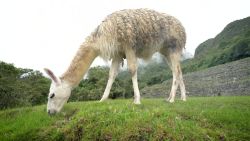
{"x": 168, "y": 99}
{"x": 137, "y": 102}
{"x": 103, "y": 99}
{"x": 183, "y": 99}
{"x": 171, "y": 100}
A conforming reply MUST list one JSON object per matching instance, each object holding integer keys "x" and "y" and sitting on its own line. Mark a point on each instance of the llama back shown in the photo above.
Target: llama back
{"x": 146, "y": 31}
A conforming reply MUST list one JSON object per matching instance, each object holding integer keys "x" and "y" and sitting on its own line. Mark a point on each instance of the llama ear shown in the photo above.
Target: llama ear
{"x": 51, "y": 75}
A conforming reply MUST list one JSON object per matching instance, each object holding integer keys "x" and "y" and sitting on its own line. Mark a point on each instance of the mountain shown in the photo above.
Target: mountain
{"x": 232, "y": 43}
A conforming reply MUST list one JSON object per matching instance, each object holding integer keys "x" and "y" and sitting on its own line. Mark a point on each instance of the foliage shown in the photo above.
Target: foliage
{"x": 93, "y": 87}
{"x": 21, "y": 87}
{"x": 204, "y": 118}
{"x": 154, "y": 73}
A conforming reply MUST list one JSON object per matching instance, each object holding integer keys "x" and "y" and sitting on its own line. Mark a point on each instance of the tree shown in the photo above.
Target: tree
{"x": 21, "y": 87}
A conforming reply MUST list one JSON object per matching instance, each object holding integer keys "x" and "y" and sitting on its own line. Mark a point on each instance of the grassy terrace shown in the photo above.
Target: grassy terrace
{"x": 201, "y": 118}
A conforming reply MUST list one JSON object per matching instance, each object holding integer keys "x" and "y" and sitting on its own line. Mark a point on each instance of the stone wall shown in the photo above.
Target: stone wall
{"x": 231, "y": 79}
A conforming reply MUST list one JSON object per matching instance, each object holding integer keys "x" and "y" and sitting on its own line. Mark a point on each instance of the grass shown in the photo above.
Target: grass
{"x": 203, "y": 118}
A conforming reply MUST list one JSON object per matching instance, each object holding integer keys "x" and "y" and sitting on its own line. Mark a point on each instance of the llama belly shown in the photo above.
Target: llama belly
{"x": 146, "y": 53}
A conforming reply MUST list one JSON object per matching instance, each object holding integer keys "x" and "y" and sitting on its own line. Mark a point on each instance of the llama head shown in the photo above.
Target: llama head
{"x": 58, "y": 95}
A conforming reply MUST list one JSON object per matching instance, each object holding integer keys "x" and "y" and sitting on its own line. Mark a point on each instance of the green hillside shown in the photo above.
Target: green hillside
{"x": 231, "y": 44}
{"x": 211, "y": 118}
{"x": 233, "y": 31}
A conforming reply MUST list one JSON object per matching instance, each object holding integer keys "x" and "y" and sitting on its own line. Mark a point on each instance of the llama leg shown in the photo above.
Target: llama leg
{"x": 132, "y": 65}
{"x": 178, "y": 73}
{"x": 182, "y": 85}
{"x": 174, "y": 88}
{"x": 168, "y": 61}
{"x": 136, "y": 89}
{"x": 112, "y": 74}
{"x": 174, "y": 61}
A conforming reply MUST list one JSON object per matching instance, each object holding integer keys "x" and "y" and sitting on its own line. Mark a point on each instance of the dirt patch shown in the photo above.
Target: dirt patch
{"x": 105, "y": 137}
{"x": 76, "y": 132}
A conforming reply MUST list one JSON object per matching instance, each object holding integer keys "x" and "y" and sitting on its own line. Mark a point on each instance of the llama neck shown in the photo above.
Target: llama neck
{"x": 79, "y": 65}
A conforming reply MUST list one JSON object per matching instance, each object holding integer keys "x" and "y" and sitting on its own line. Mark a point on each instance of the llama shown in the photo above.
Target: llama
{"x": 127, "y": 34}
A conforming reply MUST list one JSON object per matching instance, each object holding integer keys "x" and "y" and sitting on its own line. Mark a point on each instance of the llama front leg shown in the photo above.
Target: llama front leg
{"x": 132, "y": 66}
{"x": 112, "y": 75}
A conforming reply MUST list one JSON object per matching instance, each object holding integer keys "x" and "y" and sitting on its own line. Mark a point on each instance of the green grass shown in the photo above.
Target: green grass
{"x": 204, "y": 118}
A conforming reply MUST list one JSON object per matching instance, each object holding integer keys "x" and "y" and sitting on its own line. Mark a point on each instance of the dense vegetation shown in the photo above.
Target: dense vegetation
{"x": 93, "y": 87}
{"x": 205, "y": 118}
{"x": 26, "y": 87}
{"x": 21, "y": 87}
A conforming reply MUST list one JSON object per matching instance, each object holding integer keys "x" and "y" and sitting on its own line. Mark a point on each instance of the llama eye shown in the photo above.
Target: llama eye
{"x": 53, "y": 95}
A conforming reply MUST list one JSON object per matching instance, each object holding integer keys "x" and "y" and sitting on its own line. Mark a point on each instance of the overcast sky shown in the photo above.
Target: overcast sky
{"x": 47, "y": 33}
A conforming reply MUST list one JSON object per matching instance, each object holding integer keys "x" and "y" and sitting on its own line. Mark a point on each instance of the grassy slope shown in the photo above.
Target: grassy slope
{"x": 210, "y": 118}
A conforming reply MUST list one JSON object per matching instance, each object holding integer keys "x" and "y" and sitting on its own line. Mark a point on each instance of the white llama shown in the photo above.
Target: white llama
{"x": 126, "y": 34}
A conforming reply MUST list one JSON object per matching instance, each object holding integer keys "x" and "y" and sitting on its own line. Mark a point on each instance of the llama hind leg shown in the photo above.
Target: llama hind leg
{"x": 177, "y": 73}
{"x": 177, "y": 78}
{"x": 167, "y": 60}
{"x": 132, "y": 66}
{"x": 174, "y": 87}
{"x": 177, "y": 81}
{"x": 136, "y": 89}
{"x": 173, "y": 62}
{"x": 112, "y": 75}
{"x": 182, "y": 86}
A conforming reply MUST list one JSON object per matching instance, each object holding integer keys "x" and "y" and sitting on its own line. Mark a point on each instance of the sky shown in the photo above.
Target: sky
{"x": 41, "y": 34}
